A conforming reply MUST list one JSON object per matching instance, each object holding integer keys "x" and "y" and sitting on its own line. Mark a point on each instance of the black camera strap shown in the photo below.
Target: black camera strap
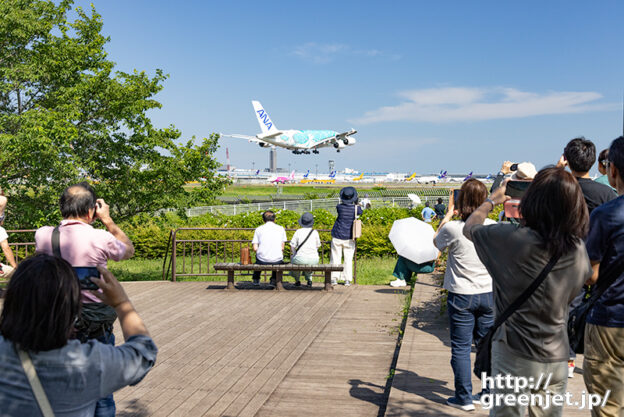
{"x": 56, "y": 242}
{"x": 305, "y": 240}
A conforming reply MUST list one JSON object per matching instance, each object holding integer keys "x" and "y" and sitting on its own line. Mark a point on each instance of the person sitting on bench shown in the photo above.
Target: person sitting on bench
{"x": 268, "y": 243}
{"x": 304, "y": 246}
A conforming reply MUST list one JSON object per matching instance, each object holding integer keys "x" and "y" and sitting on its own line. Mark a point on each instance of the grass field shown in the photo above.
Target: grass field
{"x": 370, "y": 271}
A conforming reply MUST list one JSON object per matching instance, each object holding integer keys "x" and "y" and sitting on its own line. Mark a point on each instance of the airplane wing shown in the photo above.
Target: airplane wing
{"x": 346, "y": 134}
{"x": 249, "y": 138}
{"x": 339, "y": 138}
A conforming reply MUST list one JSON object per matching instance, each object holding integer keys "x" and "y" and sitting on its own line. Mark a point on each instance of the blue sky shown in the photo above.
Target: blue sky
{"x": 450, "y": 85}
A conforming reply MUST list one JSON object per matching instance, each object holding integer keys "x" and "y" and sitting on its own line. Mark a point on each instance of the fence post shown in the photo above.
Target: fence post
{"x": 310, "y": 205}
{"x": 173, "y": 256}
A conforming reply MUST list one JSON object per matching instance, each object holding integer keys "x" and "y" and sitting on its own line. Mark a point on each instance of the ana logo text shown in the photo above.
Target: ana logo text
{"x": 265, "y": 119}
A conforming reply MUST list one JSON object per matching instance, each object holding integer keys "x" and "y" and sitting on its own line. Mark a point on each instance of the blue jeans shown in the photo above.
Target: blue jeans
{"x": 470, "y": 316}
{"x": 105, "y": 407}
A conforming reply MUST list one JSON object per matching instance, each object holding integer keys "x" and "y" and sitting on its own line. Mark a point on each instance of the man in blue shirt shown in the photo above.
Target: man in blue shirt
{"x": 604, "y": 333}
{"x": 427, "y": 214}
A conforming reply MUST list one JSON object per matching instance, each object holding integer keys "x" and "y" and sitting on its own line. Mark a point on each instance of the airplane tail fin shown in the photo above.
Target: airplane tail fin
{"x": 292, "y": 175}
{"x": 265, "y": 122}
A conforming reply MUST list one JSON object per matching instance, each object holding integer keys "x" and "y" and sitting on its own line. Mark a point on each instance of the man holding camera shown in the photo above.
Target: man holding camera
{"x": 79, "y": 243}
{"x": 580, "y": 155}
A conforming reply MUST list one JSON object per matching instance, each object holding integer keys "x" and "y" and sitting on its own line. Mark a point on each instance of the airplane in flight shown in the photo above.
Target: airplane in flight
{"x": 297, "y": 141}
{"x": 283, "y": 180}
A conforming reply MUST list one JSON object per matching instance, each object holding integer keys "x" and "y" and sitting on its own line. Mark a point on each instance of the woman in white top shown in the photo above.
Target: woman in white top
{"x": 470, "y": 303}
{"x": 304, "y": 246}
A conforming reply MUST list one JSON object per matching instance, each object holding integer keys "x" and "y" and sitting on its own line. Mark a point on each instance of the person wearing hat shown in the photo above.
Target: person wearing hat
{"x": 342, "y": 234}
{"x": 304, "y": 246}
{"x": 524, "y": 171}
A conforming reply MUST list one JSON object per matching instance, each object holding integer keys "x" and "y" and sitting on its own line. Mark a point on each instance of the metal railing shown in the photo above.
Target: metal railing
{"x": 195, "y": 254}
{"x": 24, "y": 245}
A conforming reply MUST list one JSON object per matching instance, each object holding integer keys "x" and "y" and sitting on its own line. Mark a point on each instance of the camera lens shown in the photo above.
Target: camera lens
{"x": 513, "y": 167}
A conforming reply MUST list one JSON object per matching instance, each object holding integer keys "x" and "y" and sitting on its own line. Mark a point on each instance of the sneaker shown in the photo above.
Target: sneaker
{"x": 347, "y": 283}
{"x": 297, "y": 283}
{"x": 454, "y": 403}
{"x": 309, "y": 283}
{"x": 333, "y": 282}
{"x": 256, "y": 282}
{"x": 476, "y": 398}
{"x": 571, "y": 366}
{"x": 398, "y": 283}
{"x": 272, "y": 283}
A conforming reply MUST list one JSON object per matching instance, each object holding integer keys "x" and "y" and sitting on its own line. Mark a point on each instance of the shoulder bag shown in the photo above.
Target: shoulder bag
{"x": 578, "y": 315}
{"x": 304, "y": 241}
{"x": 35, "y": 384}
{"x": 356, "y": 230}
{"x": 483, "y": 360}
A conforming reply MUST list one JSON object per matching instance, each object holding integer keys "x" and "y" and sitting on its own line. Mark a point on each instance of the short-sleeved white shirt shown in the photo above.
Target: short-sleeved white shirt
{"x": 310, "y": 248}
{"x": 269, "y": 238}
{"x": 3, "y": 234}
{"x": 465, "y": 273}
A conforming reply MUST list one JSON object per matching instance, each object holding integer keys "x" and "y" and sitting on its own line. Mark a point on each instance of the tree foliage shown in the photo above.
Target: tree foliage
{"x": 67, "y": 115}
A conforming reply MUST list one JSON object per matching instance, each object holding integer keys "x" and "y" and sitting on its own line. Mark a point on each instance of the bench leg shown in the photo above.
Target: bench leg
{"x": 278, "y": 281}
{"x": 230, "y": 283}
{"x": 328, "y": 286}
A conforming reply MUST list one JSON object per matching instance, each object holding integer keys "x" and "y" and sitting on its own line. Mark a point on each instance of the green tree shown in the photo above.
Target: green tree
{"x": 66, "y": 115}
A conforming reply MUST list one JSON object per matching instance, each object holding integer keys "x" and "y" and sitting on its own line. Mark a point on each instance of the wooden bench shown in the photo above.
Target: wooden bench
{"x": 279, "y": 271}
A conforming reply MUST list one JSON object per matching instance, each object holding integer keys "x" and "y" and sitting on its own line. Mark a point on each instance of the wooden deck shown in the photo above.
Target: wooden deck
{"x": 424, "y": 379}
{"x": 266, "y": 353}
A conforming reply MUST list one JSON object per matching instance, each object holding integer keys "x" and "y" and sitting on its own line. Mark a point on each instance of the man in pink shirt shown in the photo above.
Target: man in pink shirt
{"x": 82, "y": 245}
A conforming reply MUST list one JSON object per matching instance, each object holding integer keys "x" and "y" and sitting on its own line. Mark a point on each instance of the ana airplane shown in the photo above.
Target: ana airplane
{"x": 307, "y": 174}
{"x": 298, "y": 141}
{"x": 431, "y": 179}
{"x": 283, "y": 180}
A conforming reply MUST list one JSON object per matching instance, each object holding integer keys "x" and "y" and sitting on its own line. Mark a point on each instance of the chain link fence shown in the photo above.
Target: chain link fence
{"x": 328, "y": 204}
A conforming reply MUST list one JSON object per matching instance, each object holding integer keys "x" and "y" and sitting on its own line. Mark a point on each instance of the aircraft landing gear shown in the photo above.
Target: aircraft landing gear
{"x": 315, "y": 152}
{"x": 338, "y": 150}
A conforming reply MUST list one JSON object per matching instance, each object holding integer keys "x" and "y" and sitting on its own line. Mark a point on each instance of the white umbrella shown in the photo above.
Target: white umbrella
{"x": 413, "y": 239}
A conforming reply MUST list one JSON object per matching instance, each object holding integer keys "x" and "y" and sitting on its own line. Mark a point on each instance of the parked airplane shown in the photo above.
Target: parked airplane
{"x": 298, "y": 141}
{"x": 332, "y": 174}
{"x": 359, "y": 178}
{"x": 431, "y": 179}
{"x": 411, "y": 177}
{"x": 283, "y": 180}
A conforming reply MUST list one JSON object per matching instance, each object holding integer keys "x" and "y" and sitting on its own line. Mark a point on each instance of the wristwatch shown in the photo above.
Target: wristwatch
{"x": 489, "y": 200}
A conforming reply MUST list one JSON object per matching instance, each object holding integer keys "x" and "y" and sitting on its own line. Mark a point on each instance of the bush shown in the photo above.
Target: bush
{"x": 150, "y": 233}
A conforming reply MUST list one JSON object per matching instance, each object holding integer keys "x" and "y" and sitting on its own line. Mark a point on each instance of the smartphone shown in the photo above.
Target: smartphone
{"x": 84, "y": 273}
{"x": 512, "y": 209}
{"x": 516, "y": 189}
{"x": 456, "y": 195}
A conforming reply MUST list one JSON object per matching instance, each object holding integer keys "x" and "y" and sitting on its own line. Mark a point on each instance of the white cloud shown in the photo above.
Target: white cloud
{"x": 318, "y": 53}
{"x": 451, "y": 104}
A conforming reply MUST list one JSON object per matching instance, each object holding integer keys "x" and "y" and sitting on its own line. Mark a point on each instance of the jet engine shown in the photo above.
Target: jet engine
{"x": 348, "y": 141}
{"x": 262, "y": 144}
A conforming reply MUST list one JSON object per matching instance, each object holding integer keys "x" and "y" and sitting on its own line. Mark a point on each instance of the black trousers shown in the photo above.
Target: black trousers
{"x": 256, "y": 274}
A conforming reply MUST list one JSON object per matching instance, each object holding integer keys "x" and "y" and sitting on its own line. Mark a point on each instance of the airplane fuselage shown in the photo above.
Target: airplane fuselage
{"x": 301, "y": 139}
